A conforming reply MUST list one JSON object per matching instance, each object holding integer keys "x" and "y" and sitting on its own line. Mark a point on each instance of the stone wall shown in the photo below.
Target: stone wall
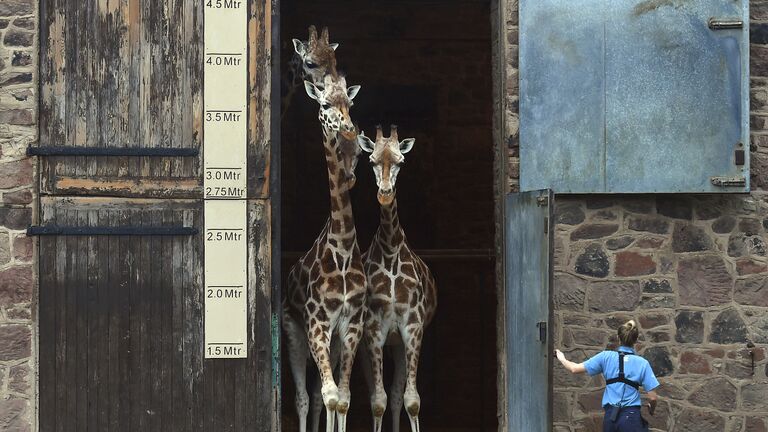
{"x": 18, "y": 129}
{"x": 693, "y": 270}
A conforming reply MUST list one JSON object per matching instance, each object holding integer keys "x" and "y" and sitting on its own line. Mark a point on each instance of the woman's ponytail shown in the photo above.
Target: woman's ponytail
{"x": 628, "y": 333}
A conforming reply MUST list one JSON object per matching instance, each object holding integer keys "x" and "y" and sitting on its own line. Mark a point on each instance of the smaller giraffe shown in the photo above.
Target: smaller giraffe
{"x": 312, "y": 60}
{"x": 402, "y": 295}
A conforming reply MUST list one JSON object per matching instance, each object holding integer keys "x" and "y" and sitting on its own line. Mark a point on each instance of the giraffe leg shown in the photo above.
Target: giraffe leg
{"x": 398, "y": 385}
{"x": 374, "y": 341}
{"x": 317, "y": 396}
{"x": 320, "y": 347}
{"x": 297, "y": 356}
{"x": 350, "y": 339}
{"x": 412, "y": 341}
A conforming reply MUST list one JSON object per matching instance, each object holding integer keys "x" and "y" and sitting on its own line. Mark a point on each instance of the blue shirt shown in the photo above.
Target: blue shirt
{"x": 636, "y": 369}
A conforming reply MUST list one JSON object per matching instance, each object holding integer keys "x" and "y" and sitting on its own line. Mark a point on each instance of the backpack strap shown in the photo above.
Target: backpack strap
{"x": 622, "y": 378}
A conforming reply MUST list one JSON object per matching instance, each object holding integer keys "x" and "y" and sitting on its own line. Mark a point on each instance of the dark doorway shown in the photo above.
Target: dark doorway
{"x": 425, "y": 66}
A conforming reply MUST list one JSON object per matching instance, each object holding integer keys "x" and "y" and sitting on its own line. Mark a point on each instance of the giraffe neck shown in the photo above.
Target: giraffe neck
{"x": 342, "y": 222}
{"x": 391, "y": 234}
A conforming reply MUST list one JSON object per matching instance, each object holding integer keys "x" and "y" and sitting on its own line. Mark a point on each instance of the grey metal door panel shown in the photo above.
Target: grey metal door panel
{"x": 562, "y": 105}
{"x": 673, "y": 96}
{"x": 528, "y": 279}
{"x": 633, "y": 96}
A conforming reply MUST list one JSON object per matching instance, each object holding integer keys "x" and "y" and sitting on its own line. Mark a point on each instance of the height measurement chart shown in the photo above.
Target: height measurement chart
{"x": 224, "y": 175}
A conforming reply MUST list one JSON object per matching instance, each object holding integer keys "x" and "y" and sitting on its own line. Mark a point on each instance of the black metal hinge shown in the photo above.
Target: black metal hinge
{"x": 51, "y": 230}
{"x": 112, "y": 151}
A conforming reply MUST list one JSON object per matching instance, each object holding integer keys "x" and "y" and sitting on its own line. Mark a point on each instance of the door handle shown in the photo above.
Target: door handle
{"x": 542, "y": 325}
{"x": 725, "y": 23}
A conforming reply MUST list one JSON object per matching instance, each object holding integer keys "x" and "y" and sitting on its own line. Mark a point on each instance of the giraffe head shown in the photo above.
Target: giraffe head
{"x": 318, "y": 57}
{"x": 335, "y": 100}
{"x": 386, "y": 158}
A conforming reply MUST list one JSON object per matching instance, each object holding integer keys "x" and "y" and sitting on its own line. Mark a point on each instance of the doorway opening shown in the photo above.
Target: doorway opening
{"x": 427, "y": 67}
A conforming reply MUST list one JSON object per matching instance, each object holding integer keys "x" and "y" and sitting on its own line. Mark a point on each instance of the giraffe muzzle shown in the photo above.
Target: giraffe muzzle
{"x": 348, "y": 134}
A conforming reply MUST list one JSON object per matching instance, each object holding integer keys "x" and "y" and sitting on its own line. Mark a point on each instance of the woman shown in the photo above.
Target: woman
{"x": 624, "y": 373}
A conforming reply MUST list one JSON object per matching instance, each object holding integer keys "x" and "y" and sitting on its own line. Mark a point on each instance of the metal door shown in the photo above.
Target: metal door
{"x": 634, "y": 96}
{"x": 528, "y": 261}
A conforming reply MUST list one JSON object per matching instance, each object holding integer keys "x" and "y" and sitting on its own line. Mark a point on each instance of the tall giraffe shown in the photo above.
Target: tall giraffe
{"x": 402, "y": 295}
{"x": 325, "y": 295}
{"x": 311, "y": 60}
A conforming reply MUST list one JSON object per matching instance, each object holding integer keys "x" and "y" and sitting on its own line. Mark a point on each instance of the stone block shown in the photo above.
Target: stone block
{"x": 653, "y": 319}
{"x": 639, "y": 204}
{"x": 724, "y": 224}
{"x": 16, "y": 285}
{"x": 748, "y": 266}
{"x": 716, "y": 393}
{"x": 569, "y": 292}
{"x": 569, "y": 213}
{"x": 16, "y": 7}
{"x": 675, "y": 206}
{"x": 687, "y": 237}
{"x": 649, "y": 243}
{"x": 15, "y": 218}
{"x": 15, "y": 342}
{"x": 21, "y": 117}
{"x": 15, "y": 173}
{"x": 657, "y": 286}
{"x": 591, "y": 401}
{"x": 22, "y": 248}
{"x": 619, "y": 242}
{"x": 630, "y": 263}
{"x": 695, "y": 420}
{"x": 561, "y": 406}
{"x": 694, "y": 363}
{"x": 16, "y": 38}
{"x": 704, "y": 281}
{"x": 755, "y": 424}
{"x": 593, "y": 261}
{"x": 23, "y": 196}
{"x": 690, "y": 327}
{"x": 749, "y": 226}
{"x": 728, "y": 327}
{"x": 593, "y": 231}
{"x": 613, "y": 296}
{"x": 652, "y": 224}
{"x": 13, "y": 412}
{"x": 660, "y": 361}
{"x": 752, "y": 291}
{"x": 753, "y": 397}
{"x": 19, "y": 377}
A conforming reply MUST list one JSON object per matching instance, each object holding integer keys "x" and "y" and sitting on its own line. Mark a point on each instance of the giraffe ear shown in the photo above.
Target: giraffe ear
{"x": 365, "y": 143}
{"x": 406, "y": 145}
{"x": 300, "y": 48}
{"x": 352, "y": 91}
{"x": 334, "y": 46}
{"x": 312, "y": 90}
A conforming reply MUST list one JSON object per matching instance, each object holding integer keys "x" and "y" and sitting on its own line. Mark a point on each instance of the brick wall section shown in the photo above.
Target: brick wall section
{"x": 18, "y": 129}
{"x": 693, "y": 270}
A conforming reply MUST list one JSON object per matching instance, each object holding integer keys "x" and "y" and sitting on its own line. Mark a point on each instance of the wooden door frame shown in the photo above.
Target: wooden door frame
{"x": 498, "y": 10}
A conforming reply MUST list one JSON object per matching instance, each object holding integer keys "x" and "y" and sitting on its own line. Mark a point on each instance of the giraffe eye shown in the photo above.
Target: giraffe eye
{"x": 311, "y": 65}
{"x": 326, "y": 106}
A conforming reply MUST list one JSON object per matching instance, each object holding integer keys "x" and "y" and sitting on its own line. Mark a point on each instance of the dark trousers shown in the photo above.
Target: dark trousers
{"x": 629, "y": 420}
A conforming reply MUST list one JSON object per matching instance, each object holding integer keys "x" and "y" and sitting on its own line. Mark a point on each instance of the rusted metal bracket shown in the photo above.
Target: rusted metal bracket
{"x": 112, "y": 151}
{"x": 46, "y": 230}
{"x": 725, "y": 23}
{"x": 729, "y": 181}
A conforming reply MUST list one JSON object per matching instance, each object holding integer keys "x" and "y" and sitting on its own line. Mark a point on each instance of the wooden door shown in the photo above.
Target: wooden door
{"x": 528, "y": 261}
{"x": 121, "y": 223}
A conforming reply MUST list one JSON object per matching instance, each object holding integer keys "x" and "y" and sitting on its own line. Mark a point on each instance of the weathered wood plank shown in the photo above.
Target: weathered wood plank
{"x": 260, "y": 109}
{"x": 125, "y": 73}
